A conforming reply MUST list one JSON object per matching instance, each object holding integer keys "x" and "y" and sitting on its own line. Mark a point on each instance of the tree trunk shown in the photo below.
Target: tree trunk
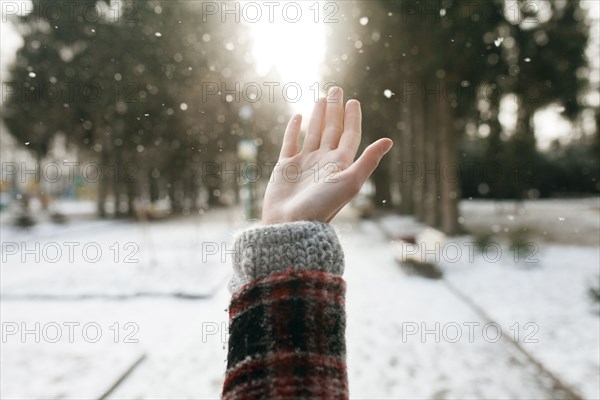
{"x": 39, "y": 179}
{"x": 193, "y": 191}
{"x": 418, "y": 132}
{"x": 524, "y": 153}
{"x": 175, "y": 195}
{"x": 117, "y": 191}
{"x": 431, "y": 166}
{"x": 103, "y": 183}
{"x": 407, "y": 166}
{"x": 153, "y": 188}
{"x": 449, "y": 171}
{"x": 120, "y": 180}
{"x": 131, "y": 196}
{"x": 381, "y": 181}
{"x": 494, "y": 157}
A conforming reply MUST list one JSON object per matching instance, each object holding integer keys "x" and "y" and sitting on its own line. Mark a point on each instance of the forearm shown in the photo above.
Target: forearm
{"x": 287, "y": 316}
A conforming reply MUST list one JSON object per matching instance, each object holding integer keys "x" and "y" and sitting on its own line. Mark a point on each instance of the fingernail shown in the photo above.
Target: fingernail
{"x": 390, "y": 144}
{"x": 332, "y": 90}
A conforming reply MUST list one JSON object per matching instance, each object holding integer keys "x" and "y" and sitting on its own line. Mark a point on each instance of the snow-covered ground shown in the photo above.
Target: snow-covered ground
{"x": 561, "y": 221}
{"x": 408, "y": 337}
{"x": 549, "y": 302}
{"x": 540, "y": 300}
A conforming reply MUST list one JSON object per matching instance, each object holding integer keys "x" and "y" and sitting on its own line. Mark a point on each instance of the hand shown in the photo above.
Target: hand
{"x": 314, "y": 183}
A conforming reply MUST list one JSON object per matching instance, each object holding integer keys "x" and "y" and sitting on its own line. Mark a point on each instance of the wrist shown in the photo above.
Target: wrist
{"x": 274, "y": 248}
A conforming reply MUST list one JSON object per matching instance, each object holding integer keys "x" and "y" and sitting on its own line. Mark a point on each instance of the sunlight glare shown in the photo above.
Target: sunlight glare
{"x": 295, "y": 51}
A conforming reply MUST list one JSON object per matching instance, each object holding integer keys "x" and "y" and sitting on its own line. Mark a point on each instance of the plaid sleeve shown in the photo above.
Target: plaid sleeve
{"x": 287, "y": 338}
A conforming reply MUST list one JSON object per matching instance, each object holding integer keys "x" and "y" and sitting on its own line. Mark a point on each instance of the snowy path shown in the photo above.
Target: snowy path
{"x": 383, "y": 303}
{"x": 543, "y": 303}
{"x": 184, "y": 340}
{"x": 546, "y": 305}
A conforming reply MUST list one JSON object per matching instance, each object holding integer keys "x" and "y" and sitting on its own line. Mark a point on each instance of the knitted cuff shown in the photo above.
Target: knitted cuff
{"x": 272, "y": 249}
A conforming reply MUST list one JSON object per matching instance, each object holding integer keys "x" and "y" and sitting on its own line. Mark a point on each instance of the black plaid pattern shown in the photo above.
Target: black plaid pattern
{"x": 287, "y": 338}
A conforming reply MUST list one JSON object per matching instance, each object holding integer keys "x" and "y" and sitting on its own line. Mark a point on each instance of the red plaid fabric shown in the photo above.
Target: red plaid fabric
{"x": 287, "y": 338}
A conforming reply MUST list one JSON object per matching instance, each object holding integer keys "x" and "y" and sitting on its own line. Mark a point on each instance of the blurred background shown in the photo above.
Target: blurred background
{"x": 138, "y": 136}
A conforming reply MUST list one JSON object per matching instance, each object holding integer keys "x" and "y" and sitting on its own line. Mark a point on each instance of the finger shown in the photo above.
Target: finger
{"x": 289, "y": 148}
{"x": 350, "y": 140}
{"x": 369, "y": 160}
{"x": 315, "y": 127}
{"x": 334, "y": 119}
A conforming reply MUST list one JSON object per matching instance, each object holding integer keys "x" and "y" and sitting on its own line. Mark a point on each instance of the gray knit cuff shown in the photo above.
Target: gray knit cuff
{"x": 268, "y": 250}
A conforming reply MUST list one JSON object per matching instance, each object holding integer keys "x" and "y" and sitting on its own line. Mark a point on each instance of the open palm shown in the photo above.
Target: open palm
{"x": 314, "y": 183}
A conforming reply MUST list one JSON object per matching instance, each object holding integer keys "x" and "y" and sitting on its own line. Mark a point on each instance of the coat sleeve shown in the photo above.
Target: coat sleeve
{"x": 287, "y": 315}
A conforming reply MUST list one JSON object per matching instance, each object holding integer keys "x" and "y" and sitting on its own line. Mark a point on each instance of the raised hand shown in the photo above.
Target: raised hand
{"x": 314, "y": 183}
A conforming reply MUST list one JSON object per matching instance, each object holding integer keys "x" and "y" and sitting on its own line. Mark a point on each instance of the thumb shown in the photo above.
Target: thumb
{"x": 369, "y": 159}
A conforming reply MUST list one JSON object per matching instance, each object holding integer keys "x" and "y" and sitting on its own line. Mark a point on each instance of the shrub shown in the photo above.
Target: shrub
{"x": 482, "y": 241}
{"x": 519, "y": 243}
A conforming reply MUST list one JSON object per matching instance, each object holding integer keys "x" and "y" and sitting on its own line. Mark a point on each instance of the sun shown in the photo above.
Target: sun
{"x": 292, "y": 42}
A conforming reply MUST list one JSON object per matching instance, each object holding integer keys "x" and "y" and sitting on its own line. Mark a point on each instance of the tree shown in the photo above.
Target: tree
{"x": 543, "y": 64}
{"x": 419, "y": 60}
{"x": 158, "y": 113}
